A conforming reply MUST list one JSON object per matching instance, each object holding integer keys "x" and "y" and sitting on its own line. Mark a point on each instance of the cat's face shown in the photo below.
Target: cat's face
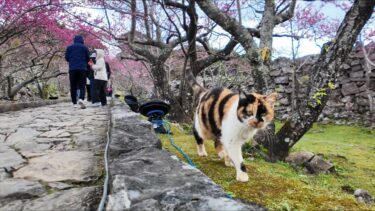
{"x": 256, "y": 110}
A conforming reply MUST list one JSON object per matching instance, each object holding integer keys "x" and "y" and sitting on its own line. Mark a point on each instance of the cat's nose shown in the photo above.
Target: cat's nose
{"x": 253, "y": 122}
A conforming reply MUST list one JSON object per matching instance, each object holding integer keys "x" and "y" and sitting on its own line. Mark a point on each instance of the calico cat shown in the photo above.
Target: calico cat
{"x": 230, "y": 119}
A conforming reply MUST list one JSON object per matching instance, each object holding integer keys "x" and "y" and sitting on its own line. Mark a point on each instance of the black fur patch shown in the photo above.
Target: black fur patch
{"x": 243, "y": 103}
{"x": 260, "y": 111}
{"x": 243, "y": 167}
{"x": 197, "y": 137}
{"x": 222, "y": 105}
{"x": 204, "y": 117}
{"x": 211, "y": 113}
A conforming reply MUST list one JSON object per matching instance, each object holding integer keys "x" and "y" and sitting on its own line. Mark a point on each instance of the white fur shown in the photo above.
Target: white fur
{"x": 233, "y": 135}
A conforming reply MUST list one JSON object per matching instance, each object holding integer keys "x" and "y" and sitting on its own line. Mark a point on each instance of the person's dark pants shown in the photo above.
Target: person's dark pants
{"x": 99, "y": 90}
{"x": 92, "y": 89}
{"x": 77, "y": 80}
{"x": 88, "y": 89}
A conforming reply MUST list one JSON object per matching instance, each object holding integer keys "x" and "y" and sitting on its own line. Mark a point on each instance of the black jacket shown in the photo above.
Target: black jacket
{"x": 77, "y": 54}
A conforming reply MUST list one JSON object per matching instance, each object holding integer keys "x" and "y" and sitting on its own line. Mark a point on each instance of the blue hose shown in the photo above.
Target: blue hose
{"x": 168, "y": 128}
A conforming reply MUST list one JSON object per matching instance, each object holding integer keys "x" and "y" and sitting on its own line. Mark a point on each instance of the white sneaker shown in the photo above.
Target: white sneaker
{"x": 75, "y": 106}
{"x": 80, "y": 102}
{"x": 95, "y": 105}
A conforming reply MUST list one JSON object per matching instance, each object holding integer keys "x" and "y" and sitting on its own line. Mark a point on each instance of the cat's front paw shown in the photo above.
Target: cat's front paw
{"x": 221, "y": 154}
{"x": 202, "y": 154}
{"x": 228, "y": 161}
{"x": 202, "y": 151}
{"x": 242, "y": 177}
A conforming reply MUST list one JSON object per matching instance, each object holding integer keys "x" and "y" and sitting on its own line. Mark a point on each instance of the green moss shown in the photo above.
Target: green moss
{"x": 279, "y": 186}
{"x": 47, "y": 187}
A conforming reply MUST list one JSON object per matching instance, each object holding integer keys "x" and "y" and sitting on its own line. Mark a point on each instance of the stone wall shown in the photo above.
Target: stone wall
{"x": 143, "y": 176}
{"x": 33, "y": 104}
{"x": 350, "y": 100}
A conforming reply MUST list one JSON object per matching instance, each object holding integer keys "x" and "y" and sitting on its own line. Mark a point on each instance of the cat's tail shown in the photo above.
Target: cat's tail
{"x": 197, "y": 88}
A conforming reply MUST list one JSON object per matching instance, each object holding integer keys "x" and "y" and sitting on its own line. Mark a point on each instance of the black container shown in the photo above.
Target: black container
{"x": 155, "y": 111}
{"x": 146, "y": 109}
{"x": 132, "y": 102}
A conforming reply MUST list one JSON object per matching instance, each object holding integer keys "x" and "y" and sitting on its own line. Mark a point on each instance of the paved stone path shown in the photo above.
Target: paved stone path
{"x": 51, "y": 158}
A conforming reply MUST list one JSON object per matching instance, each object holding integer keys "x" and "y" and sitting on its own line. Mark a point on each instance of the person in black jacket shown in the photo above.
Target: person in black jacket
{"x": 77, "y": 55}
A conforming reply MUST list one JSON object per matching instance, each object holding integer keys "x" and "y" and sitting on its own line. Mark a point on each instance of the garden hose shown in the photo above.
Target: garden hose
{"x": 168, "y": 129}
{"x": 106, "y": 179}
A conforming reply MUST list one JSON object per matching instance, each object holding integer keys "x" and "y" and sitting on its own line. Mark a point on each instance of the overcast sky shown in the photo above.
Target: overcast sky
{"x": 283, "y": 45}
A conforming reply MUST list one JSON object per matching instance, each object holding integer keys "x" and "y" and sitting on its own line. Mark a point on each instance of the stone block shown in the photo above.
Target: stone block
{"x": 299, "y": 158}
{"x": 86, "y": 198}
{"x": 318, "y": 165}
{"x": 344, "y": 80}
{"x": 355, "y": 62}
{"x": 10, "y": 159}
{"x": 284, "y": 101}
{"x": 364, "y": 196}
{"x": 349, "y": 88}
{"x": 282, "y": 80}
{"x": 346, "y": 99}
{"x": 62, "y": 166}
{"x": 345, "y": 66}
{"x": 287, "y": 69}
{"x": 362, "y": 101}
{"x": 363, "y": 88}
{"x": 357, "y": 74}
{"x": 357, "y": 68}
{"x": 288, "y": 90}
{"x": 20, "y": 189}
{"x": 349, "y": 106}
{"x": 275, "y": 73}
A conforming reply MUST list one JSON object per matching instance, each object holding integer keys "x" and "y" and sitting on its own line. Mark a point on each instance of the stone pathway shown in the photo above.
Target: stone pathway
{"x": 51, "y": 158}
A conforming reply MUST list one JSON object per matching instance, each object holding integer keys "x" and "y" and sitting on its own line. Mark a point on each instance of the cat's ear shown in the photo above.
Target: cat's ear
{"x": 249, "y": 98}
{"x": 271, "y": 98}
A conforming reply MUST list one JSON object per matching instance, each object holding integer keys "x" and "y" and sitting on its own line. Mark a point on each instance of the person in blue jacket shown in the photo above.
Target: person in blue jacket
{"x": 77, "y": 55}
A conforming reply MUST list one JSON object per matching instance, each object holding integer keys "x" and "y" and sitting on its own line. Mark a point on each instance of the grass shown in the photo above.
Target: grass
{"x": 278, "y": 186}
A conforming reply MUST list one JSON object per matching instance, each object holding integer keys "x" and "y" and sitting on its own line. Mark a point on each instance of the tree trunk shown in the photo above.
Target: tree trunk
{"x": 160, "y": 80}
{"x": 177, "y": 112}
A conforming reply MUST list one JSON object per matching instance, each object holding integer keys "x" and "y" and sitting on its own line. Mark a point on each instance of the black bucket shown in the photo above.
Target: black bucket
{"x": 132, "y": 102}
{"x": 155, "y": 111}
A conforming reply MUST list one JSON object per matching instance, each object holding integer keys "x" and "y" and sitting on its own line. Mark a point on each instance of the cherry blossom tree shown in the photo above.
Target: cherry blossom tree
{"x": 33, "y": 37}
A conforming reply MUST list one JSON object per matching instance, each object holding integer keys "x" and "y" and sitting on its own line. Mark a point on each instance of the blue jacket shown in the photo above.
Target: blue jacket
{"x": 77, "y": 55}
